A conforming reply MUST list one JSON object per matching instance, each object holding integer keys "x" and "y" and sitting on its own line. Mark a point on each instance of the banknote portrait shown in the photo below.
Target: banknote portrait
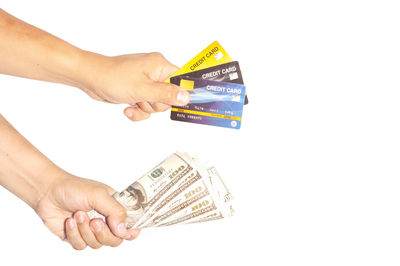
{"x": 134, "y": 199}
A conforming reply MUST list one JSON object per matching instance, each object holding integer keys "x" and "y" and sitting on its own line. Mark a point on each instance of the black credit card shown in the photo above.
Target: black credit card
{"x": 228, "y": 72}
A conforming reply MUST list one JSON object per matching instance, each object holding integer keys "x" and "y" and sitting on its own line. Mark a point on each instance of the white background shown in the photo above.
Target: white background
{"x": 314, "y": 169}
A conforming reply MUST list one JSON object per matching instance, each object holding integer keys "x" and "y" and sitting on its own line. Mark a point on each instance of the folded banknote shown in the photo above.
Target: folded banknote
{"x": 179, "y": 190}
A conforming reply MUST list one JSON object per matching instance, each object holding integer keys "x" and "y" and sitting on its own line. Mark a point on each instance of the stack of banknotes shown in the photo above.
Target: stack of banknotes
{"x": 179, "y": 190}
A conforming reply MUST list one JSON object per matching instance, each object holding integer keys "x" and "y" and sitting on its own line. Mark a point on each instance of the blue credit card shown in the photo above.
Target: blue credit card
{"x": 212, "y": 103}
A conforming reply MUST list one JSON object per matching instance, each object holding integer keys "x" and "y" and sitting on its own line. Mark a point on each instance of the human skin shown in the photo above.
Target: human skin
{"x": 59, "y": 198}
{"x": 133, "y": 79}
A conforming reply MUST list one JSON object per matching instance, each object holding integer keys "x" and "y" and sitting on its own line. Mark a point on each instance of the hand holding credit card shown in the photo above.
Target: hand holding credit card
{"x": 216, "y": 86}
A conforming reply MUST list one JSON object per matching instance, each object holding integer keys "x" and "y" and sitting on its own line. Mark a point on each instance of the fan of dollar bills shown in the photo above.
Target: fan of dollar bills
{"x": 179, "y": 190}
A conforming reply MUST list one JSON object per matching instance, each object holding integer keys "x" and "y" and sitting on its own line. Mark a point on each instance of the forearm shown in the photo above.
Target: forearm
{"x": 23, "y": 169}
{"x": 29, "y": 52}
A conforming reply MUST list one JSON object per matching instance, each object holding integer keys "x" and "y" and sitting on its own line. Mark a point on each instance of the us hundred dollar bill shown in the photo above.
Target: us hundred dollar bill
{"x": 179, "y": 190}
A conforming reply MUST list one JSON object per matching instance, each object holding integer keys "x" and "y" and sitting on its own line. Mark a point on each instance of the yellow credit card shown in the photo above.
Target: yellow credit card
{"x": 213, "y": 55}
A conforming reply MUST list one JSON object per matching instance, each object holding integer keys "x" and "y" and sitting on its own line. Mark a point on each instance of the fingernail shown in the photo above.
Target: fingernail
{"x": 129, "y": 113}
{"x": 183, "y": 97}
{"x": 96, "y": 226}
{"x": 80, "y": 218}
{"x": 122, "y": 231}
{"x": 71, "y": 224}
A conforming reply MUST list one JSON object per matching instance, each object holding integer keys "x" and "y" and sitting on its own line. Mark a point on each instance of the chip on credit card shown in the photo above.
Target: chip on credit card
{"x": 213, "y": 103}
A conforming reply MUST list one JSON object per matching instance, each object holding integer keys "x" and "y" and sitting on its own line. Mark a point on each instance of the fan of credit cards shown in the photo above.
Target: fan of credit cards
{"x": 215, "y": 84}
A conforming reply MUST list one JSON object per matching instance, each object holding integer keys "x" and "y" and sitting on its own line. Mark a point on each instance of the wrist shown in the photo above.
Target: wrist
{"x": 45, "y": 179}
{"x": 29, "y": 178}
{"x": 24, "y": 170}
{"x": 75, "y": 67}
{"x": 90, "y": 68}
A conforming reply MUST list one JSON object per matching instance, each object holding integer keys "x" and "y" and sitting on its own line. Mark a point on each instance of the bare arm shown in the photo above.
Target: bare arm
{"x": 21, "y": 166}
{"x": 135, "y": 79}
{"x": 60, "y": 199}
{"x": 29, "y": 52}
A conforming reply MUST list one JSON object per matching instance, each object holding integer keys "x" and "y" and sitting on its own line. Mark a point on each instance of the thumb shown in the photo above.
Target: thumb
{"x": 166, "y": 93}
{"x": 114, "y": 212}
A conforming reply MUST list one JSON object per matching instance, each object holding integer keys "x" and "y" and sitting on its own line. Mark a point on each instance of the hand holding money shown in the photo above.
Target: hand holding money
{"x": 180, "y": 190}
{"x": 64, "y": 207}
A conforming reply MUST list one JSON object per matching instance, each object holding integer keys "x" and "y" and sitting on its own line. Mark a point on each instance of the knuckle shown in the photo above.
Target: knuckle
{"x": 156, "y": 55}
{"x": 96, "y": 246}
{"x": 116, "y": 243}
{"x": 100, "y": 236}
{"x": 134, "y": 237}
{"x": 100, "y": 191}
{"x": 160, "y": 108}
{"x": 174, "y": 68}
{"x": 79, "y": 246}
{"x": 135, "y": 234}
{"x": 146, "y": 116}
{"x": 156, "y": 108}
{"x": 143, "y": 116}
{"x": 169, "y": 92}
{"x": 120, "y": 211}
{"x": 134, "y": 95}
{"x": 146, "y": 107}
